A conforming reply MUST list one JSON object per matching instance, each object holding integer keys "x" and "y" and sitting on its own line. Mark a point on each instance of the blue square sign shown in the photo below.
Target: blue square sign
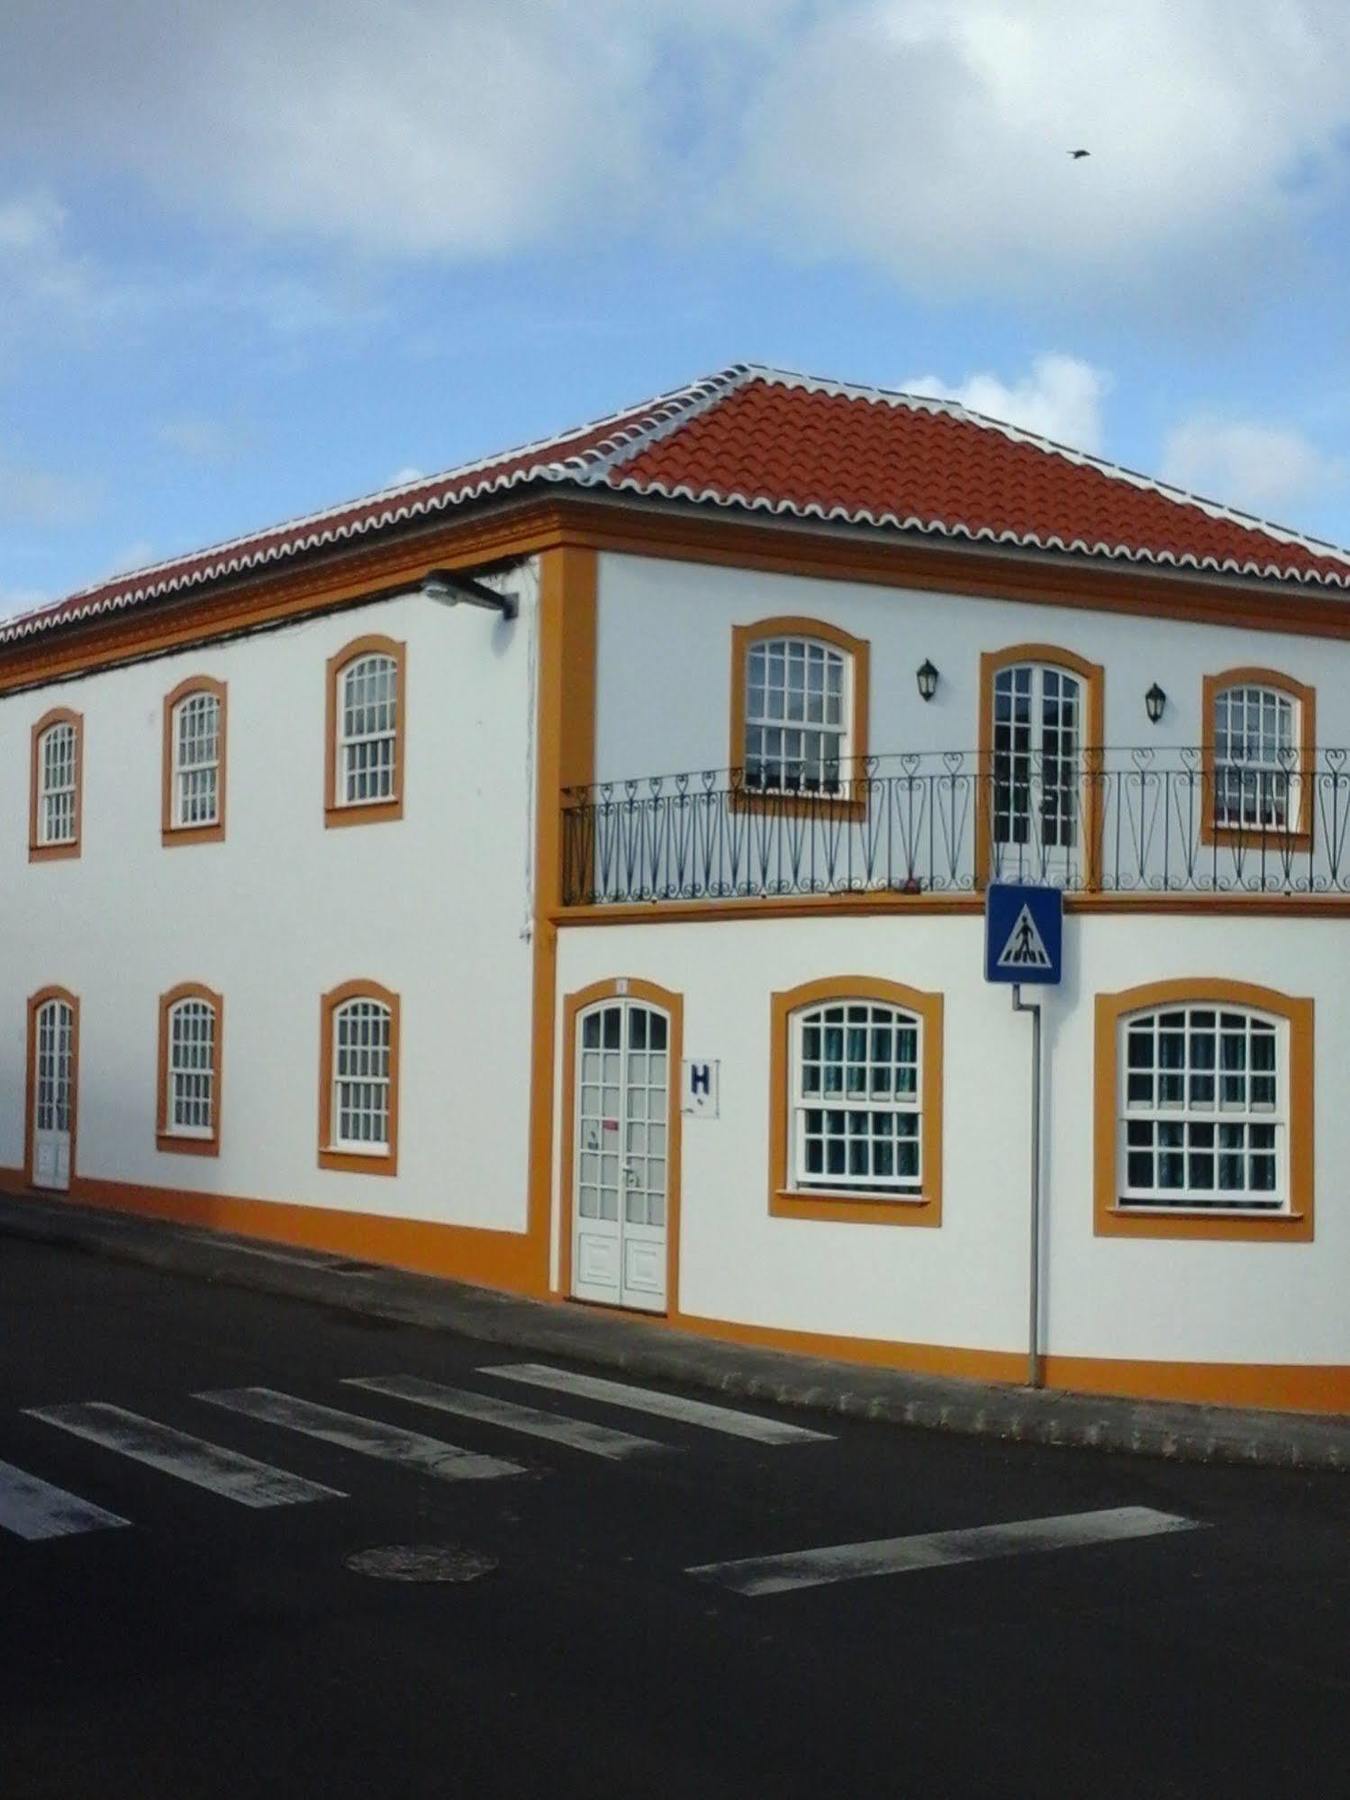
{"x": 1023, "y": 934}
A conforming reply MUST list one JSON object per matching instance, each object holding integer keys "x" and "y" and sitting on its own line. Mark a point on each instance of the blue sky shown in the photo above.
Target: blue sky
{"x": 262, "y": 257}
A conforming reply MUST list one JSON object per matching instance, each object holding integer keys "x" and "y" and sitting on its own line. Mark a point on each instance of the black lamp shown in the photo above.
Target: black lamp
{"x": 1154, "y": 702}
{"x": 927, "y": 677}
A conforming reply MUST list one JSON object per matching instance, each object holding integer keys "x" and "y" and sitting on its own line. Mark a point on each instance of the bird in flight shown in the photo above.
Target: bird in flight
{"x": 1076, "y": 154}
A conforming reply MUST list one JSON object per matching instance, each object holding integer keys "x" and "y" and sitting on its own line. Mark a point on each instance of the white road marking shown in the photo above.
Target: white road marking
{"x": 223, "y": 1472}
{"x": 577, "y": 1434}
{"x": 371, "y": 1437}
{"x": 35, "y": 1509}
{"x": 665, "y": 1406}
{"x": 937, "y": 1549}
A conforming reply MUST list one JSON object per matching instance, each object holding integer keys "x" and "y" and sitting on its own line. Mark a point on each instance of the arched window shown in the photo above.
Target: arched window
{"x": 799, "y": 710}
{"x": 54, "y": 810}
{"x": 1259, "y": 745}
{"x": 194, "y": 762}
{"x": 857, "y": 1091}
{"x": 358, "y": 1126}
{"x": 365, "y": 732}
{"x": 190, "y": 1018}
{"x": 1210, "y": 1097}
{"x": 1039, "y": 813}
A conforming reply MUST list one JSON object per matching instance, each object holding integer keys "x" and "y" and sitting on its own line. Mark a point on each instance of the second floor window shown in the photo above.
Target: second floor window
{"x": 1037, "y": 739}
{"x": 1256, "y": 738}
{"x": 56, "y": 820}
{"x": 369, "y": 730}
{"x": 366, "y": 724}
{"x": 796, "y": 716}
{"x": 196, "y": 760}
{"x": 54, "y": 801}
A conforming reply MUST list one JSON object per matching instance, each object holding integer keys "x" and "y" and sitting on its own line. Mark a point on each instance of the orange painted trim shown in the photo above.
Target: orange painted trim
{"x": 503, "y": 1260}
{"x": 165, "y": 1138}
{"x": 847, "y": 1208}
{"x": 531, "y": 526}
{"x": 887, "y": 901}
{"x": 496, "y": 1259}
{"x": 352, "y": 1162}
{"x": 1300, "y": 838}
{"x": 1113, "y": 1220}
{"x": 170, "y": 833}
{"x": 1093, "y": 677}
{"x": 858, "y": 652}
{"x": 627, "y": 987}
{"x": 36, "y": 1001}
{"x": 1292, "y": 1387}
{"x": 37, "y": 851}
{"x": 365, "y": 812}
{"x": 565, "y": 739}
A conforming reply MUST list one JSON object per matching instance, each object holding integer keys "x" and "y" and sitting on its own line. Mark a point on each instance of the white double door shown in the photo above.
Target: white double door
{"x": 53, "y": 1093}
{"x": 622, "y": 1125}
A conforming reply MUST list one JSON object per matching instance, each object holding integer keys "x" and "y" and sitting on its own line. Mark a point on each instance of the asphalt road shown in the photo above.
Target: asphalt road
{"x": 1172, "y": 1631}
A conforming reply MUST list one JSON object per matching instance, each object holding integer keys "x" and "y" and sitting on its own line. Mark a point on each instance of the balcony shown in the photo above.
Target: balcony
{"x": 1128, "y": 822}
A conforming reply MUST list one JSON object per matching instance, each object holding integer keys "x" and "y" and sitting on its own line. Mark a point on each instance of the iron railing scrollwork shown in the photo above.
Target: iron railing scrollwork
{"x": 1130, "y": 821}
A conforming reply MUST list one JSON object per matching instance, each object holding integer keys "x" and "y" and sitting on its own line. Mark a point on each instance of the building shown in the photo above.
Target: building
{"x": 394, "y": 880}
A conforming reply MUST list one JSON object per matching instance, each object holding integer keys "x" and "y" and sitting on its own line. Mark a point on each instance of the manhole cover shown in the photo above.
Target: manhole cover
{"x": 422, "y": 1562}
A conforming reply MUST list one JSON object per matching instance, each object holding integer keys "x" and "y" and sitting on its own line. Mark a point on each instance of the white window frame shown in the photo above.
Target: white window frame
{"x": 351, "y": 744}
{"x": 806, "y": 1097}
{"x": 798, "y": 772}
{"x": 189, "y": 1071}
{"x": 49, "y": 793}
{"x": 1266, "y": 781}
{"x": 1185, "y": 1107}
{"x": 343, "y": 1077}
{"x": 1050, "y": 783}
{"x": 183, "y": 771}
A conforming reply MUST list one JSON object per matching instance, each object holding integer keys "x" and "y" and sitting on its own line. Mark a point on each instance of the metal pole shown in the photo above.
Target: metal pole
{"x": 1034, "y": 1285}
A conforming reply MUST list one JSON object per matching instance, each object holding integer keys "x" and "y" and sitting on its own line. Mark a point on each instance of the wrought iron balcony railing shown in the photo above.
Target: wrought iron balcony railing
{"x": 1129, "y": 821}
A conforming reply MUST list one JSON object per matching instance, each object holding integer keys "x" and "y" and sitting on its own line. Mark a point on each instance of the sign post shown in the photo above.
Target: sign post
{"x": 1024, "y": 945}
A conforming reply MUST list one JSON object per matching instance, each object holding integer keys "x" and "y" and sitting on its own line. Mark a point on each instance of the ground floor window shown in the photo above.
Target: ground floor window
{"x": 358, "y": 1127}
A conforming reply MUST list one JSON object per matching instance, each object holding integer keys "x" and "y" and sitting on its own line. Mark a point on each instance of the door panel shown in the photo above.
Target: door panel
{"x": 622, "y": 1127}
{"x": 53, "y": 1094}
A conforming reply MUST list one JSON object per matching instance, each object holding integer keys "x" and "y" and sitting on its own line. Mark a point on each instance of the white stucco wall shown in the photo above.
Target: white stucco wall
{"x": 965, "y": 1283}
{"x": 435, "y": 906}
{"x": 658, "y": 617}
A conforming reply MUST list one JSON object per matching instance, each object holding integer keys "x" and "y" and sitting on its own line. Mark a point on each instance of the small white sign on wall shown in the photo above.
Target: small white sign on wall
{"x": 698, "y": 1092}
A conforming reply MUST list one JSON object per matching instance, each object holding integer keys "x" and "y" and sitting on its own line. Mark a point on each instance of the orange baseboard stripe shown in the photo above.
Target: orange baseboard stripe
{"x": 499, "y": 1259}
{"x": 510, "y": 1261}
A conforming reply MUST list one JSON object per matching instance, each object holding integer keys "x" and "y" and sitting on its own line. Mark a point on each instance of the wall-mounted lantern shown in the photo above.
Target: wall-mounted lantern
{"x": 1155, "y": 702}
{"x": 927, "y": 677}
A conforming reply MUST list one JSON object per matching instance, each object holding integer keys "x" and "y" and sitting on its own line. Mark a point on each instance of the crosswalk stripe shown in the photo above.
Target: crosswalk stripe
{"x": 936, "y": 1549}
{"x": 370, "y": 1437}
{"x": 34, "y": 1509}
{"x": 225, "y": 1472}
{"x": 665, "y": 1406}
{"x": 576, "y": 1434}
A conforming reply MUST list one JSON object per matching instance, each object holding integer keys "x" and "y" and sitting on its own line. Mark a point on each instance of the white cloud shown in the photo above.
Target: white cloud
{"x": 1265, "y": 469}
{"x": 401, "y": 477}
{"x": 20, "y": 600}
{"x": 199, "y": 439}
{"x": 1061, "y": 398}
{"x": 931, "y": 137}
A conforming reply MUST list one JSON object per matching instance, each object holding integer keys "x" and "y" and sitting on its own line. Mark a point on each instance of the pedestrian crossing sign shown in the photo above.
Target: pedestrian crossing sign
{"x": 1023, "y": 934}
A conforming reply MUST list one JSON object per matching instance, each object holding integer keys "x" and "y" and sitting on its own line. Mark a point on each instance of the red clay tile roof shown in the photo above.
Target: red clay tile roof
{"x": 765, "y": 440}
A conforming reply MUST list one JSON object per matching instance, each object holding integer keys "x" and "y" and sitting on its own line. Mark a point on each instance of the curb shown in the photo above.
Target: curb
{"x": 1049, "y": 1417}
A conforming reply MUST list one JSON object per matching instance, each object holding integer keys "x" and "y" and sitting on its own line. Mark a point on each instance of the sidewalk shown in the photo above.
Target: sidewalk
{"x": 928, "y": 1402}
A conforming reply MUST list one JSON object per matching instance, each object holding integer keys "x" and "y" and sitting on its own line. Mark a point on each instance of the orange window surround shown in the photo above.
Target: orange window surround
{"x": 844, "y": 1207}
{"x": 166, "y": 1136}
{"x": 1298, "y": 835}
{"x": 856, "y": 653}
{"x": 172, "y": 832}
{"x": 337, "y": 810}
{"x": 38, "y": 849}
{"x": 1111, "y": 1218}
{"x": 332, "y": 1155}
